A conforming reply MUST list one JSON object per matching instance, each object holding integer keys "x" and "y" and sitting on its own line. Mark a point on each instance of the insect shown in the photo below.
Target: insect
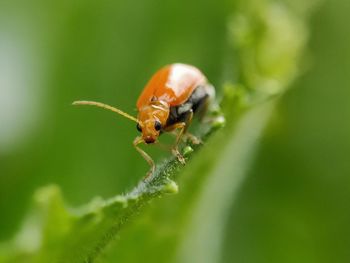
{"x": 171, "y": 98}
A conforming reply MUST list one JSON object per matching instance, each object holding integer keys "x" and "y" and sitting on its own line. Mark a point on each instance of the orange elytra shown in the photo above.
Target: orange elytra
{"x": 171, "y": 98}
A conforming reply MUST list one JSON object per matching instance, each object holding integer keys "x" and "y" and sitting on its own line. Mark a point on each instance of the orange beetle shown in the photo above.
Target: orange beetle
{"x": 168, "y": 102}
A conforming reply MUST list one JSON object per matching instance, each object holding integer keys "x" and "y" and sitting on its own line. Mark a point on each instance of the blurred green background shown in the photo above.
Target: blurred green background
{"x": 293, "y": 206}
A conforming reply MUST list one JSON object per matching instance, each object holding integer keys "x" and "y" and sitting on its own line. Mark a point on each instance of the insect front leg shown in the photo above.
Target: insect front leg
{"x": 150, "y": 161}
{"x": 175, "y": 149}
{"x": 189, "y": 136}
{"x": 186, "y": 135}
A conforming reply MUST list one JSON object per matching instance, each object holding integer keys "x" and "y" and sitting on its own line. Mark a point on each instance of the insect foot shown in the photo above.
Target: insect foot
{"x": 178, "y": 156}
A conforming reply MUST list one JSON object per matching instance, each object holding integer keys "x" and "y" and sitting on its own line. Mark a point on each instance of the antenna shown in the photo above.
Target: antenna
{"x": 105, "y": 106}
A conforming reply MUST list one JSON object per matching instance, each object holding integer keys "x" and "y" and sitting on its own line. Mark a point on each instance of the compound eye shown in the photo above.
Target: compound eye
{"x": 157, "y": 125}
{"x": 138, "y": 127}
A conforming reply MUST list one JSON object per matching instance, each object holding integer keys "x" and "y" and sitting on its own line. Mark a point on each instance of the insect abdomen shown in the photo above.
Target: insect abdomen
{"x": 197, "y": 103}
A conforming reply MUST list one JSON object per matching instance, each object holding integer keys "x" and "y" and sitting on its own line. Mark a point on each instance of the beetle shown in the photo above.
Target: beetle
{"x": 170, "y": 99}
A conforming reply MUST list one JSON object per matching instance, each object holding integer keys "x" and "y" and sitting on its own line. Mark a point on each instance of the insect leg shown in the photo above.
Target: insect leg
{"x": 187, "y": 135}
{"x": 183, "y": 126}
{"x": 175, "y": 150}
{"x": 150, "y": 161}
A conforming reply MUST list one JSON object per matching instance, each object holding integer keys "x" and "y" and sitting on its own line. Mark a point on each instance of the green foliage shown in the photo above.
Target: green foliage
{"x": 175, "y": 228}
